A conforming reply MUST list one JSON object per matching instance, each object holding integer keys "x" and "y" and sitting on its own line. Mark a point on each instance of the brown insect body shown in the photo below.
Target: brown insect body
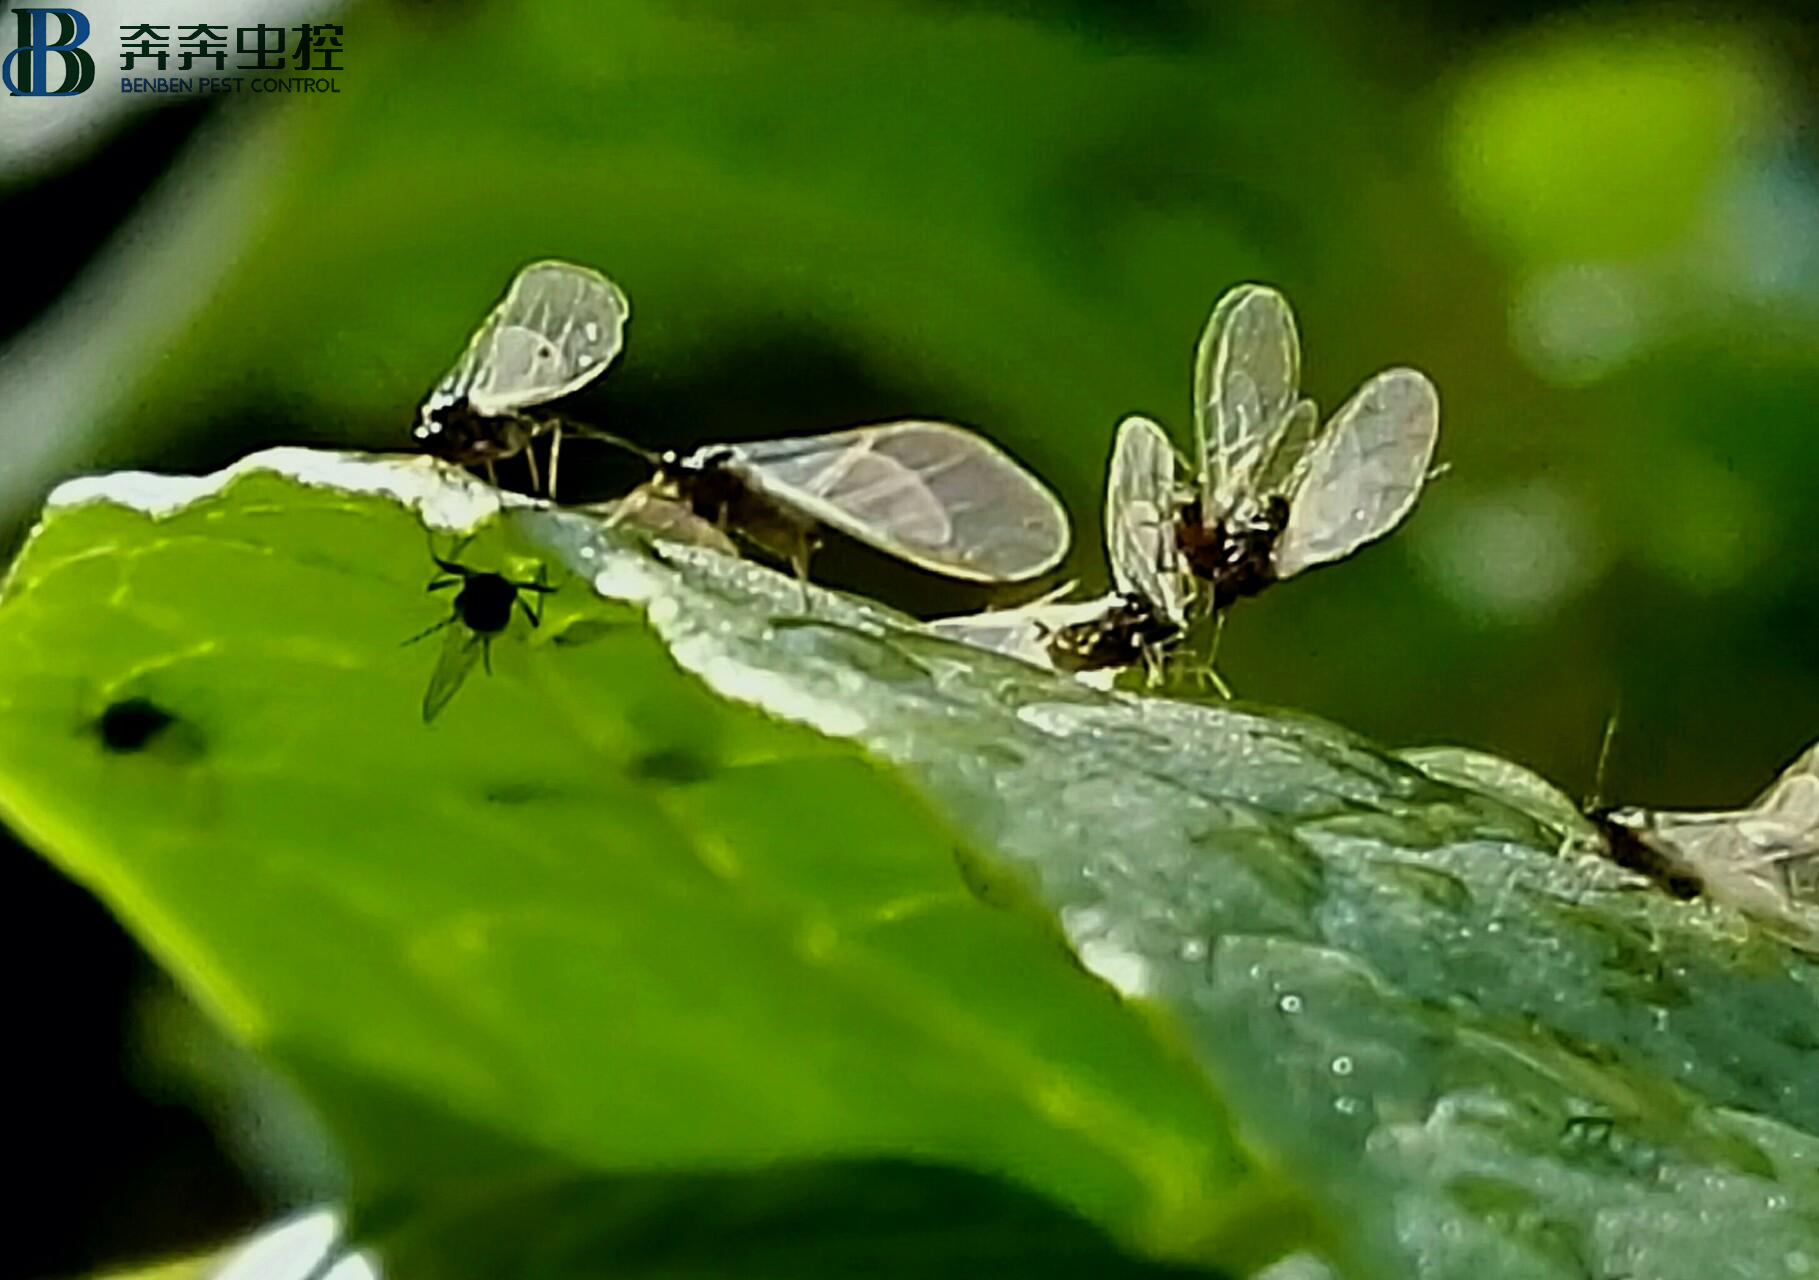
{"x": 1633, "y": 851}
{"x": 1130, "y": 632}
{"x": 457, "y": 433}
{"x": 717, "y": 494}
{"x": 1232, "y": 556}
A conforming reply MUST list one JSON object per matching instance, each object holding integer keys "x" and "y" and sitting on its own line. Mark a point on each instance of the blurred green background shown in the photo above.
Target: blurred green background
{"x": 1596, "y": 227}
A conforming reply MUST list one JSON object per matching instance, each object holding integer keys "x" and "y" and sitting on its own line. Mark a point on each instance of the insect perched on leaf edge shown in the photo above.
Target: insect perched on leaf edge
{"x": 1145, "y": 613}
{"x": 1276, "y": 493}
{"x": 932, "y": 494}
{"x": 557, "y": 328}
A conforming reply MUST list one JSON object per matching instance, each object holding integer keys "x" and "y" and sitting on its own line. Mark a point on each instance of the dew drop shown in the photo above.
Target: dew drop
{"x": 1342, "y": 1065}
{"x": 1290, "y": 1003}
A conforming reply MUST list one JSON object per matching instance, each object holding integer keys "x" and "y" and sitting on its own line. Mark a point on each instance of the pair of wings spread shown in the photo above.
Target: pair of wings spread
{"x": 950, "y": 501}
{"x": 930, "y": 492}
{"x": 1345, "y": 484}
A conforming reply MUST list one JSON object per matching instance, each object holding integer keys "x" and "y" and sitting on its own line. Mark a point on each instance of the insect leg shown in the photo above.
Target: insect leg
{"x": 486, "y": 653}
{"x": 555, "y": 457}
{"x": 453, "y": 564}
{"x": 430, "y": 631}
{"x": 492, "y": 474}
{"x": 442, "y": 584}
{"x": 799, "y": 557}
{"x": 456, "y": 570}
{"x": 1153, "y": 666}
{"x": 1207, "y": 672}
{"x": 530, "y": 460}
{"x": 539, "y": 589}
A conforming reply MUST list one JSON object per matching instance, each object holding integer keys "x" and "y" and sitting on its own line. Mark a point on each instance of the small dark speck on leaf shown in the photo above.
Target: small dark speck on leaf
{"x": 131, "y": 724}
{"x": 673, "y": 764}
{"x": 996, "y": 886}
{"x": 587, "y": 631}
{"x": 514, "y": 793}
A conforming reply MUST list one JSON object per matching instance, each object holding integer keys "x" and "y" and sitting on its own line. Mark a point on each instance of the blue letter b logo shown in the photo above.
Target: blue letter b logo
{"x": 35, "y": 48}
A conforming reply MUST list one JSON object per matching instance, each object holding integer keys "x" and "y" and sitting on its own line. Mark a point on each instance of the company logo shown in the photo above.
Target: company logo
{"x": 24, "y": 69}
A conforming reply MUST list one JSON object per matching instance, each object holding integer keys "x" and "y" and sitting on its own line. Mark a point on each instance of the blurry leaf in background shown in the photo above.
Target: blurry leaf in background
{"x": 1603, "y": 140}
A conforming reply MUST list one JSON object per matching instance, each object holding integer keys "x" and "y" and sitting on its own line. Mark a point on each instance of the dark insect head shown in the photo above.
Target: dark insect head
{"x": 711, "y": 489}
{"x": 457, "y": 433}
{"x": 1631, "y": 850}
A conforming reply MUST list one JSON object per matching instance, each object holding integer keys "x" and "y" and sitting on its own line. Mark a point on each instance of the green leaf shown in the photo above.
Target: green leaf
{"x": 182, "y": 1269}
{"x": 592, "y": 920}
{"x": 755, "y": 882}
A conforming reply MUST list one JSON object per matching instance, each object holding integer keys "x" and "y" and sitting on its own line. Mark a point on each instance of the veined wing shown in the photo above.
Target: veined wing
{"x": 1140, "y": 516}
{"x": 1363, "y": 472}
{"x": 931, "y": 493}
{"x": 1023, "y": 632}
{"x": 663, "y": 517}
{"x": 1247, "y": 379}
{"x": 1282, "y": 470}
{"x": 460, "y": 651}
{"x": 1795, "y": 794}
{"x": 1742, "y": 859}
{"x": 557, "y": 328}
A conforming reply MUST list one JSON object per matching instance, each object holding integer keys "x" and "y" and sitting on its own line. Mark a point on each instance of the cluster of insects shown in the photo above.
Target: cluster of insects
{"x": 1269, "y": 491}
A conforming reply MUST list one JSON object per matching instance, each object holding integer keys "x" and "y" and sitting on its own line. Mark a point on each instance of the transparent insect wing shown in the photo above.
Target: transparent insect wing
{"x": 1140, "y": 514}
{"x": 461, "y": 649}
{"x": 1796, "y": 792}
{"x": 1740, "y": 859}
{"x": 556, "y": 330}
{"x": 931, "y": 493}
{"x": 1362, "y": 473}
{"x": 1283, "y": 469}
{"x": 661, "y": 516}
{"x": 1247, "y": 378}
{"x": 1016, "y": 633}
{"x": 1024, "y": 632}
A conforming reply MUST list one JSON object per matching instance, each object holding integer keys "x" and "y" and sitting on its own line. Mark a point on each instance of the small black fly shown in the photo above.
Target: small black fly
{"x": 482, "y": 609}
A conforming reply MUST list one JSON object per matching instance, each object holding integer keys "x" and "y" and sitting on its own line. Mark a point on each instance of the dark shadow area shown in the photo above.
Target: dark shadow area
{"x": 885, "y": 1220}
{"x": 55, "y": 226}
{"x": 109, "y": 1171}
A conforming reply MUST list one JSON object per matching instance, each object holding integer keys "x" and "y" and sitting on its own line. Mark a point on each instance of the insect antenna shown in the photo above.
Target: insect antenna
{"x": 1596, "y": 800}
{"x": 541, "y": 588}
{"x": 453, "y": 564}
{"x": 654, "y": 458}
